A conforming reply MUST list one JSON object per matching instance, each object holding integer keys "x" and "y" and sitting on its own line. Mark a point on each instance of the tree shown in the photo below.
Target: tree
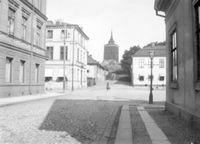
{"x": 155, "y": 44}
{"x": 126, "y": 61}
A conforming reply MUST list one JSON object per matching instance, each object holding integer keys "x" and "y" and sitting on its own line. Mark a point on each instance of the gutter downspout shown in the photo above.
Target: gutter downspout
{"x": 160, "y": 14}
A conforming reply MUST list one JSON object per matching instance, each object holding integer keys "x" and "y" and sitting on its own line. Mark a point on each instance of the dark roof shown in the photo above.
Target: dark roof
{"x": 91, "y": 61}
{"x": 159, "y": 51}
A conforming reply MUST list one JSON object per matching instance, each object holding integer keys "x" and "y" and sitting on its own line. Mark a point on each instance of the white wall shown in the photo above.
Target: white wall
{"x": 54, "y": 68}
{"x": 146, "y": 71}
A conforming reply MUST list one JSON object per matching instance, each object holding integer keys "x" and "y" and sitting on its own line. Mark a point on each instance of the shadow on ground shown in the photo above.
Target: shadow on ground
{"x": 86, "y": 121}
{"x": 123, "y": 83}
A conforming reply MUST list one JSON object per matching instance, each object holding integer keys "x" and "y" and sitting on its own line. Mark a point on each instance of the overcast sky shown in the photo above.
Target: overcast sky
{"x": 133, "y": 22}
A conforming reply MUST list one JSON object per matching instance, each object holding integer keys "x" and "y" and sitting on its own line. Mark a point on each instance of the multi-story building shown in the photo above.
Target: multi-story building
{"x": 73, "y": 57}
{"x": 182, "y": 18}
{"x": 141, "y": 66}
{"x": 22, "y": 47}
{"x": 95, "y": 71}
{"x": 111, "y": 50}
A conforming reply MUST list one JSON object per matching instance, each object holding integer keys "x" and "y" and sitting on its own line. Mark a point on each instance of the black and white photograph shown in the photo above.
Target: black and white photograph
{"x": 100, "y": 72}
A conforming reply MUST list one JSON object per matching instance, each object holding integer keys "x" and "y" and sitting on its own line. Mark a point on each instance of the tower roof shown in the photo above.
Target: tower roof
{"x": 111, "y": 41}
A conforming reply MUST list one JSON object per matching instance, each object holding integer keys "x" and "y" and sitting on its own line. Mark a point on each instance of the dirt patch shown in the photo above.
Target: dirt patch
{"x": 177, "y": 130}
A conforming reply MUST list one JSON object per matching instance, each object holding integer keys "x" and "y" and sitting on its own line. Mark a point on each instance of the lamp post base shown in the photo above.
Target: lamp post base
{"x": 150, "y": 98}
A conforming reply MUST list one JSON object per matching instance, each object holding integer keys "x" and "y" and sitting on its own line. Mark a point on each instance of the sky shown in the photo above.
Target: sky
{"x": 133, "y": 22}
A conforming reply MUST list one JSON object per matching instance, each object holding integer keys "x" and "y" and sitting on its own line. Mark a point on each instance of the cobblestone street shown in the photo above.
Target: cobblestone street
{"x": 84, "y": 116}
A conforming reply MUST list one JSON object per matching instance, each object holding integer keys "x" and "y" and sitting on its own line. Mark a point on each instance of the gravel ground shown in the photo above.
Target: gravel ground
{"x": 140, "y": 135}
{"x": 57, "y": 122}
{"x": 177, "y": 131}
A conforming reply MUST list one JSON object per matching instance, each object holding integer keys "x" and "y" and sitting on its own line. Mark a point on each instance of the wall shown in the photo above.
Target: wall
{"x": 184, "y": 93}
{"x": 54, "y": 68}
{"x": 146, "y": 71}
{"x": 19, "y": 49}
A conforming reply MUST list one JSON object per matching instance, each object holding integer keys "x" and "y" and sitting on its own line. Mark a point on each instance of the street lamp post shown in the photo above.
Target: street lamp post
{"x": 151, "y": 54}
{"x": 64, "y": 56}
{"x": 73, "y": 59}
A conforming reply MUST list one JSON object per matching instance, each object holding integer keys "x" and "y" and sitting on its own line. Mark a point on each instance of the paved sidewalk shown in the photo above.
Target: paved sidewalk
{"x": 124, "y": 132}
{"x": 21, "y": 99}
{"x": 156, "y": 134}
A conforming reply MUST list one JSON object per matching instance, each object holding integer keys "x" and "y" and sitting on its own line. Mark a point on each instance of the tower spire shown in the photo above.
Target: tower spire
{"x": 111, "y": 41}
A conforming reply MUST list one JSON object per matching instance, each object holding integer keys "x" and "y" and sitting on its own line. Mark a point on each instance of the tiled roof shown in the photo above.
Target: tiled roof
{"x": 159, "y": 51}
{"x": 91, "y": 61}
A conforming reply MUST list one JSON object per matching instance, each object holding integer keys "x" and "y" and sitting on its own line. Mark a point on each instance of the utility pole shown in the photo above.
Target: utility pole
{"x": 73, "y": 59}
{"x": 64, "y": 56}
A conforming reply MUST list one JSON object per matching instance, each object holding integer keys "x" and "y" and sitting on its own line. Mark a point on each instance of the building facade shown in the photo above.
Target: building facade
{"x": 111, "y": 50}
{"x": 183, "y": 57}
{"x": 72, "y": 37}
{"x": 22, "y": 47}
{"x": 141, "y": 66}
{"x": 96, "y": 73}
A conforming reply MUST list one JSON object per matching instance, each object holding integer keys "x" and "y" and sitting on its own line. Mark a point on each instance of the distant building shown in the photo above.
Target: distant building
{"x": 95, "y": 71}
{"x": 22, "y": 47}
{"x": 111, "y": 50}
{"x": 141, "y": 68}
{"x": 75, "y": 54}
{"x": 182, "y": 18}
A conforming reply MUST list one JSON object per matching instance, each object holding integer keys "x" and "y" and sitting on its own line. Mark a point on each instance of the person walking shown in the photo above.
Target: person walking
{"x": 107, "y": 86}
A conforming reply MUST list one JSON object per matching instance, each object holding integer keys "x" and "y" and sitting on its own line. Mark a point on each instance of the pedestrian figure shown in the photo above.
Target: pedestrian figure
{"x": 108, "y": 86}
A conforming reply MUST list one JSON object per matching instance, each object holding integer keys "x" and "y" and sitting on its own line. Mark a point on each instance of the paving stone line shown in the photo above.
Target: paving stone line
{"x": 124, "y": 132}
{"x": 156, "y": 134}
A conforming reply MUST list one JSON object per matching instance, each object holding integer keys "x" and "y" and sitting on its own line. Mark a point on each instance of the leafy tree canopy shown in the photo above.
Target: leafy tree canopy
{"x": 156, "y": 44}
{"x": 126, "y": 61}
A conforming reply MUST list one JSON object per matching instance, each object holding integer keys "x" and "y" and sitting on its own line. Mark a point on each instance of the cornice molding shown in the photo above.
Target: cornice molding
{"x": 23, "y": 41}
{"x": 173, "y": 5}
{"x": 33, "y": 8}
{"x": 12, "y": 47}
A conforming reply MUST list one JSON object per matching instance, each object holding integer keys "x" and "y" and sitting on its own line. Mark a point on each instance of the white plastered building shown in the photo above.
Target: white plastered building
{"x": 141, "y": 68}
{"x": 76, "y": 56}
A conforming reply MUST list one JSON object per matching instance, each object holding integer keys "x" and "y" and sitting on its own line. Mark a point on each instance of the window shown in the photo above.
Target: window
{"x": 78, "y": 54}
{"x": 8, "y": 70}
{"x": 38, "y": 34}
{"x": 81, "y": 56}
{"x": 141, "y": 78}
{"x": 22, "y": 71}
{"x": 161, "y": 63}
{"x": 47, "y": 79}
{"x": 50, "y": 53}
{"x": 50, "y": 34}
{"x": 63, "y": 34}
{"x": 24, "y": 27}
{"x": 161, "y": 78}
{"x": 197, "y": 14}
{"x": 77, "y": 74}
{"x": 37, "y": 73}
{"x": 62, "y": 53}
{"x": 149, "y": 77}
{"x": 11, "y": 21}
{"x": 141, "y": 63}
{"x": 149, "y": 63}
{"x": 174, "y": 57}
